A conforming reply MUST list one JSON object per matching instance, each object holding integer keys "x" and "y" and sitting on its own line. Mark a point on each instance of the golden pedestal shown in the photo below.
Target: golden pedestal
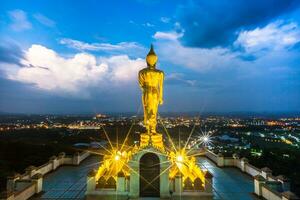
{"x": 155, "y": 140}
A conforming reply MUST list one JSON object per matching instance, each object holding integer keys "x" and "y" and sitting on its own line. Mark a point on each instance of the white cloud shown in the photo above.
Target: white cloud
{"x": 172, "y": 35}
{"x": 148, "y": 24}
{"x": 198, "y": 59}
{"x": 47, "y": 70}
{"x": 44, "y": 20}
{"x": 275, "y": 36}
{"x": 19, "y": 21}
{"x": 165, "y": 19}
{"x": 180, "y": 78}
{"x": 177, "y": 26}
{"x": 122, "y": 68}
{"x": 79, "y": 45}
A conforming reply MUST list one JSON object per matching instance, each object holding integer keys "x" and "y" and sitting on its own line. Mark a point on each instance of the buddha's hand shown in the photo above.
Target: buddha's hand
{"x": 160, "y": 102}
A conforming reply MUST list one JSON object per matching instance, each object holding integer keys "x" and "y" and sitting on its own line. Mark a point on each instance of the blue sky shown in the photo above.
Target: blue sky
{"x": 83, "y": 56}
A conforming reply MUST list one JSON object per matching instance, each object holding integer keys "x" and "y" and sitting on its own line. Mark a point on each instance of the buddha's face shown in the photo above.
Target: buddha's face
{"x": 151, "y": 60}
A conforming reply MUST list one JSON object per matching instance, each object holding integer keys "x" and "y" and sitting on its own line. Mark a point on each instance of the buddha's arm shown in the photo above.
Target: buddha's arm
{"x": 161, "y": 87}
{"x": 141, "y": 80}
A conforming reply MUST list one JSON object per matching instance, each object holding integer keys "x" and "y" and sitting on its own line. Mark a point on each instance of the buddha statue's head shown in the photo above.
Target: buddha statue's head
{"x": 151, "y": 58}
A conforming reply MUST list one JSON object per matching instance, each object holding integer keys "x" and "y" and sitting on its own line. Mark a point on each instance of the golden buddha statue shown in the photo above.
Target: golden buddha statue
{"x": 151, "y": 83}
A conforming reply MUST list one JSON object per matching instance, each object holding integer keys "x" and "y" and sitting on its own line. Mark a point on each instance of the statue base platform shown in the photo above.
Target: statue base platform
{"x": 155, "y": 140}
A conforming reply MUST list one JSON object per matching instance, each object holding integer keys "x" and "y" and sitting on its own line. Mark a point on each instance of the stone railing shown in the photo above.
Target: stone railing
{"x": 263, "y": 178}
{"x": 22, "y": 187}
{"x": 211, "y": 155}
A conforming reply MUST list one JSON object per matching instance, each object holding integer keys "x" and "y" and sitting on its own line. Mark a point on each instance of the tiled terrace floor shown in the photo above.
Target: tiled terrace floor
{"x": 228, "y": 183}
{"x": 69, "y": 182}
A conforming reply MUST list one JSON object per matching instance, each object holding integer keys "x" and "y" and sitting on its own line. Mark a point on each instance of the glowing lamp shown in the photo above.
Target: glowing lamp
{"x": 117, "y": 157}
{"x": 179, "y": 158}
{"x": 205, "y": 139}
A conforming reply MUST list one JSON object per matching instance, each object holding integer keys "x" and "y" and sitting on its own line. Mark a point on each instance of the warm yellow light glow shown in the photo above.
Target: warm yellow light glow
{"x": 117, "y": 157}
{"x": 179, "y": 158}
{"x": 185, "y": 165}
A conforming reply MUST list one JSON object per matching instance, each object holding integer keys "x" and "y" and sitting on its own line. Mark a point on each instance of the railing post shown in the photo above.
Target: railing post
{"x": 38, "y": 179}
{"x": 258, "y": 181}
{"x": 76, "y": 158}
{"x": 266, "y": 172}
{"x": 53, "y": 161}
{"x": 178, "y": 183}
{"x": 244, "y": 161}
{"x": 61, "y": 157}
{"x": 10, "y": 184}
{"x": 121, "y": 183}
{"x": 220, "y": 160}
{"x": 91, "y": 180}
{"x": 30, "y": 171}
{"x": 236, "y": 158}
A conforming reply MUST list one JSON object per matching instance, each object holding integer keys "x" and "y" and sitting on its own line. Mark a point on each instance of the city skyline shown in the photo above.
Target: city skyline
{"x": 60, "y": 57}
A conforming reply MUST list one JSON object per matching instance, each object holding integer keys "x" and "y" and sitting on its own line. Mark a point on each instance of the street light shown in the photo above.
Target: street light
{"x": 205, "y": 139}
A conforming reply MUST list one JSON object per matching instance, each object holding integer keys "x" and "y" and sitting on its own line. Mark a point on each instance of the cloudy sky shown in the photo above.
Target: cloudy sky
{"x": 83, "y": 56}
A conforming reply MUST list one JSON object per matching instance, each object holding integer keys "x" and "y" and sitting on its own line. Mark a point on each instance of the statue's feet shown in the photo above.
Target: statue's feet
{"x": 153, "y": 133}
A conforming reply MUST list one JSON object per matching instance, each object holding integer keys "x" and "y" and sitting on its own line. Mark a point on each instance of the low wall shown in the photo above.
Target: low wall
{"x": 44, "y": 169}
{"x": 68, "y": 161}
{"x": 251, "y": 170}
{"x": 267, "y": 193}
{"x": 261, "y": 176}
{"x": 22, "y": 187}
{"x": 26, "y": 193}
{"x": 83, "y": 156}
{"x": 229, "y": 162}
{"x": 212, "y": 156}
